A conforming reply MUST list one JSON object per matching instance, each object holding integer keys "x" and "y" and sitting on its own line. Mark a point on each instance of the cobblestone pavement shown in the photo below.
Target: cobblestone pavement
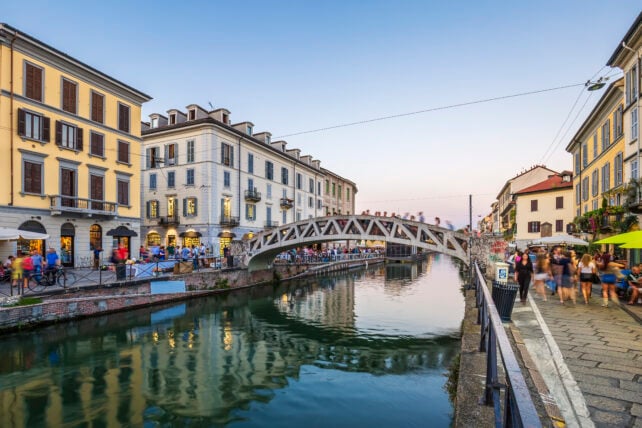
{"x": 589, "y": 356}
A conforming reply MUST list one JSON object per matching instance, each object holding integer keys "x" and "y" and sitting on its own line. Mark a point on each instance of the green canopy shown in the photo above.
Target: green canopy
{"x": 622, "y": 238}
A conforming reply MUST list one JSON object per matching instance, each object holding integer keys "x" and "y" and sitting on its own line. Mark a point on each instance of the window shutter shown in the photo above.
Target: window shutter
{"x": 184, "y": 207}
{"x": 166, "y": 154}
{"x": 37, "y": 84}
{"x": 46, "y": 125}
{"x": 195, "y": 206}
{"x": 222, "y": 154}
{"x": 231, "y": 156}
{"x": 58, "y": 133}
{"x": 79, "y": 139}
{"x": 247, "y": 211}
{"x": 147, "y": 209}
{"x": 21, "y": 122}
{"x": 148, "y": 158}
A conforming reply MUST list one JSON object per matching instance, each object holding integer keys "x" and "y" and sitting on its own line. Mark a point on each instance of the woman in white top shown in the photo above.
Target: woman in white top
{"x": 587, "y": 269}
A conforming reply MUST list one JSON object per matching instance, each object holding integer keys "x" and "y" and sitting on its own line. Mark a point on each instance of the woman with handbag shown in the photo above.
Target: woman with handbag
{"x": 523, "y": 273}
{"x": 587, "y": 270}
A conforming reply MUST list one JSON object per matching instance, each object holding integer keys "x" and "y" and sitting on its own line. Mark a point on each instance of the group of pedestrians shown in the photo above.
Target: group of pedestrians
{"x": 23, "y": 266}
{"x": 561, "y": 271}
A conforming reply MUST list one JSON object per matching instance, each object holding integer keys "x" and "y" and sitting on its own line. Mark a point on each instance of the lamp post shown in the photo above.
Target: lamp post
{"x": 637, "y": 112}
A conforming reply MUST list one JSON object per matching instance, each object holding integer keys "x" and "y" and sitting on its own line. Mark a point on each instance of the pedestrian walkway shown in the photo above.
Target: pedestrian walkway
{"x": 590, "y": 358}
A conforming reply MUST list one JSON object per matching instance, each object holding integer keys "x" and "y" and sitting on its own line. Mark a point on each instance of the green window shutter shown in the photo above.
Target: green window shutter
{"x": 184, "y": 207}
{"x": 147, "y": 209}
{"x": 195, "y": 206}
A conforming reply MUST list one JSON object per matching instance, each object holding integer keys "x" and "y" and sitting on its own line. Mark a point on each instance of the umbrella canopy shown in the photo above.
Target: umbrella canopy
{"x": 560, "y": 240}
{"x": 8, "y": 234}
{"x": 633, "y": 243}
{"x": 622, "y": 238}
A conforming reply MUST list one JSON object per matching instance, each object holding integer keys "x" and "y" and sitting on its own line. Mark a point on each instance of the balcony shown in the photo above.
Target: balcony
{"x": 171, "y": 220}
{"x": 71, "y": 204}
{"x": 229, "y": 221}
{"x": 271, "y": 224}
{"x": 252, "y": 195}
{"x": 286, "y": 203}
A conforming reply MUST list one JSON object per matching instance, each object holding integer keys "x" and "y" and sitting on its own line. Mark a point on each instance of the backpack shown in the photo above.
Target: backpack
{"x": 27, "y": 263}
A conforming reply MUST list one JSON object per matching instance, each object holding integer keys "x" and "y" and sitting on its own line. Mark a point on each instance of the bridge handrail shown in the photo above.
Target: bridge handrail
{"x": 519, "y": 409}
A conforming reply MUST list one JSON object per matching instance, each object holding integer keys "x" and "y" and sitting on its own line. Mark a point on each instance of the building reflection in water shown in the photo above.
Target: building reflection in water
{"x": 203, "y": 360}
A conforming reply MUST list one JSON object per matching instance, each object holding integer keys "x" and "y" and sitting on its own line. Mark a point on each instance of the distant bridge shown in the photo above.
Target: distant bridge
{"x": 265, "y": 245}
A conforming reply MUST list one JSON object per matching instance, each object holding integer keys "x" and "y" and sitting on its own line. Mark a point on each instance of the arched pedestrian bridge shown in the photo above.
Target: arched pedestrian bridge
{"x": 264, "y": 246}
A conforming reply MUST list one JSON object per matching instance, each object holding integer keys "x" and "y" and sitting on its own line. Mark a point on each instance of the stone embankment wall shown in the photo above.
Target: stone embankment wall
{"x": 92, "y": 300}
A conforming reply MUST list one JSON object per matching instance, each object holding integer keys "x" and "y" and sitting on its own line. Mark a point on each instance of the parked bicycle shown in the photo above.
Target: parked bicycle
{"x": 38, "y": 282}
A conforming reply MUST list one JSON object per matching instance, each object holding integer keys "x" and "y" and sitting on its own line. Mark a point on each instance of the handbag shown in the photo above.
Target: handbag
{"x": 595, "y": 279}
{"x": 551, "y": 284}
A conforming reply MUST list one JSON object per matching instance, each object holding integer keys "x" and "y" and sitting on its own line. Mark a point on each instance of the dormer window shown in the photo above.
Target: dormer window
{"x": 267, "y": 139}
{"x": 226, "y": 119}
{"x": 249, "y": 130}
{"x": 192, "y": 114}
{"x": 283, "y": 147}
{"x": 154, "y": 122}
{"x": 172, "y": 119}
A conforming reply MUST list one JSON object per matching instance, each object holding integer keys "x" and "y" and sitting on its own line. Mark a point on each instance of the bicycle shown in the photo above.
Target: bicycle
{"x": 58, "y": 276}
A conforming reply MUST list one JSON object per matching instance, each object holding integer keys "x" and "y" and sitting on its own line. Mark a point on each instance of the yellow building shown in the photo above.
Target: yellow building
{"x": 598, "y": 159}
{"x": 71, "y": 140}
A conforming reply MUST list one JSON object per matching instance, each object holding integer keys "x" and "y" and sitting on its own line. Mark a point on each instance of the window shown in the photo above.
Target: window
{"x": 618, "y": 177}
{"x": 190, "y": 151}
{"x": 299, "y": 181}
{"x": 559, "y": 225}
{"x": 578, "y": 194}
{"x": 267, "y": 139}
{"x": 577, "y": 163}
{"x": 319, "y": 188}
{"x": 334, "y": 189}
{"x": 634, "y": 123}
{"x": 327, "y": 187}
{"x": 97, "y": 107}
{"x": 311, "y": 185}
{"x": 340, "y": 192}
{"x": 171, "y": 179}
{"x": 618, "y": 126}
{"x": 606, "y": 177}
{"x": 631, "y": 85}
{"x": 585, "y": 189}
{"x": 298, "y": 199}
{"x": 68, "y": 136}
{"x": 284, "y": 175}
{"x": 152, "y": 181}
{"x": 249, "y": 130}
{"x": 123, "y": 152}
{"x": 634, "y": 169}
{"x": 348, "y": 194}
{"x": 172, "y": 119}
{"x": 33, "y": 126}
{"x": 152, "y": 158}
{"x": 595, "y": 145}
{"x": 97, "y": 144}
{"x": 123, "y": 117}
{"x": 227, "y": 154}
{"x": 584, "y": 155}
{"x": 533, "y": 227}
{"x": 319, "y": 204}
{"x": 559, "y": 202}
{"x": 68, "y": 96}
{"x": 269, "y": 170}
{"x": 33, "y": 82}
{"x": 171, "y": 154}
{"x": 594, "y": 205}
{"x": 192, "y": 114}
{"x": 123, "y": 192}
{"x": 310, "y": 202}
{"x": 285, "y": 193}
{"x": 190, "y": 177}
{"x": 152, "y": 209}
{"x": 250, "y": 184}
{"x": 606, "y": 134}
{"x": 298, "y": 216}
{"x": 250, "y": 163}
{"x": 227, "y": 179}
{"x": 190, "y": 207}
{"x": 595, "y": 183}
{"x": 32, "y": 177}
{"x": 250, "y": 212}
{"x": 533, "y": 205}
{"x": 268, "y": 191}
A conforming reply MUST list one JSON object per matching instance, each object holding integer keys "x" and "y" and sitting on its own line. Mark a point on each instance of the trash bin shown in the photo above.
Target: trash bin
{"x": 504, "y": 297}
{"x": 501, "y": 272}
{"x": 121, "y": 272}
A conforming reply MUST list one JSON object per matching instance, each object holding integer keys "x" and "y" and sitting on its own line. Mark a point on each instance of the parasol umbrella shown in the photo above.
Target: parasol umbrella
{"x": 9, "y": 234}
{"x": 633, "y": 243}
{"x": 622, "y": 238}
{"x": 561, "y": 240}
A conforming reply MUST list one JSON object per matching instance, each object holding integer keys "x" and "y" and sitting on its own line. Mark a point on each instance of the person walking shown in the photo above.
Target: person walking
{"x": 523, "y": 273}
{"x": 16, "y": 270}
{"x": 587, "y": 269}
{"x": 609, "y": 277}
{"x": 542, "y": 273}
{"x": 567, "y": 289}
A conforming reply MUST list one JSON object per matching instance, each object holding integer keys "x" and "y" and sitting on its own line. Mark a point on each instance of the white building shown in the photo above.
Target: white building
{"x": 207, "y": 180}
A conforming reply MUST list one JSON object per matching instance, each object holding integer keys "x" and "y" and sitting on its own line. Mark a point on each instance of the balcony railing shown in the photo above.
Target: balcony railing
{"x": 271, "y": 224}
{"x": 286, "y": 203}
{"x": 252, "y": 195}
{"x": 229, "y": 221}
{"x": 168, "y": 220}
{"x": 62, "y": 203}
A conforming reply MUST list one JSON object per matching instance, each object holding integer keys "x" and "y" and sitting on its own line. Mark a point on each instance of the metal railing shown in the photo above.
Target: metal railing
{"x": 286, "y": 203}
{"x": 227, "y": 220}
{"x": 518, "y": 409}
{"x": 290, "y": 258}
{"x": 168, "y": 220}
{"x": 252, "y": 195}
{"x": 74, "y": 204}
{"x": 271, "y": 224}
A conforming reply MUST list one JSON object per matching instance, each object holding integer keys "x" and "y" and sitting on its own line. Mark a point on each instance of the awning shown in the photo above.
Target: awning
{"x": 8, "y": 234}
{"x": 121, "y": 231}
{"x": 190, "y": 234}
{"x": 226, "y": 235}
{"x": 32, "y": 226}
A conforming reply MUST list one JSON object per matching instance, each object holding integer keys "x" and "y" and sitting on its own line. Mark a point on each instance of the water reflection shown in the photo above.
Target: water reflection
{"x": 212, "y": 361}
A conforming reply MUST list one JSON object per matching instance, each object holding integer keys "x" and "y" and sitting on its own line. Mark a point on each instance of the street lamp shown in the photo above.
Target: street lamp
{"x": 637, "y": 107}
{"x": 594, "y": 86}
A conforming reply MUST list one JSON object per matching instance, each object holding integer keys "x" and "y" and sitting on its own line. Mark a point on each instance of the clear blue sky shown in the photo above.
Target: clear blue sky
{"x": 290, "y": 66}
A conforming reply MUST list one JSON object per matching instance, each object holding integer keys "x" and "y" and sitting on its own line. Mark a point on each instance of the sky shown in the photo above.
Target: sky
{"x": 296, "y": 66}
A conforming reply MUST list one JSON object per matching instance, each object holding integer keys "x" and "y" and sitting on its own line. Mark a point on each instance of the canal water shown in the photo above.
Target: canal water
{"x": 363, "y": 348}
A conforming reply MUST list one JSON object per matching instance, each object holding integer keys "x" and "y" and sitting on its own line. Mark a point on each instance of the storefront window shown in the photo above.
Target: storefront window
{"x": 188, "y": 242}
{"x": 225, "y": 242}
{"x": 153, "y": 239}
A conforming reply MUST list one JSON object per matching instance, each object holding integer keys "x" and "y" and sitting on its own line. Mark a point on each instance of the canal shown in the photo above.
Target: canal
{"x": 362, "y": 348}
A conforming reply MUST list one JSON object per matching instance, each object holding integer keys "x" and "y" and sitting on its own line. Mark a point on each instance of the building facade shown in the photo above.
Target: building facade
{"x": 206, "y": 180}
{"x": 72, "y": 137}
{"x": 598, "y": 150}
{"x": 544, "y": 209}
{"x": 338, "y": 194}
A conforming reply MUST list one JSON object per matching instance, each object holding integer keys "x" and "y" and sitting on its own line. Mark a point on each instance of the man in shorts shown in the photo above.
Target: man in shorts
{"x": 634, "y": 283}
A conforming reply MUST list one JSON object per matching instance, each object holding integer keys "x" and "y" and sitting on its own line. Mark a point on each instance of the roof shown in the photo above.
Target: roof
{"x": 510, "y": 180}
{"x": 636, "y": 24}
{"x": 11, "y": 31}
{"x": 553, "y": 182}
